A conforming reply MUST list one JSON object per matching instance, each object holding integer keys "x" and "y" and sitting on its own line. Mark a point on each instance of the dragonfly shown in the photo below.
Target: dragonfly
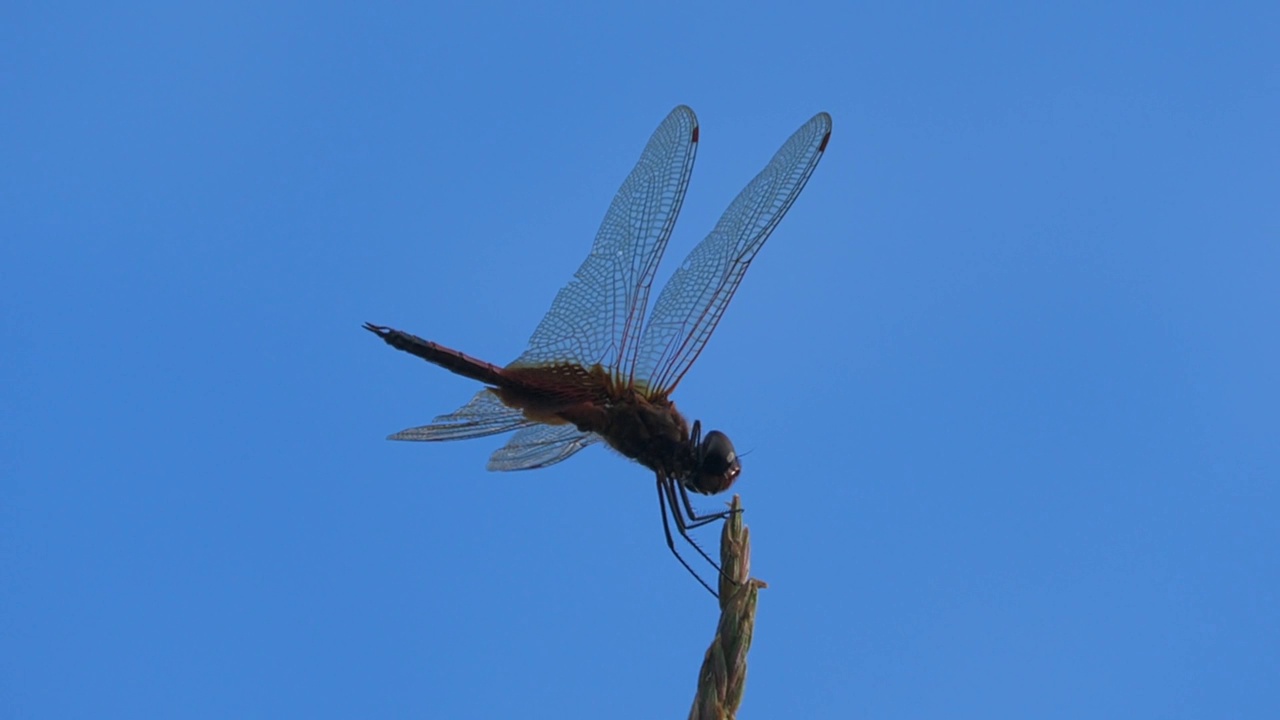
{"x": 595, "y": 370}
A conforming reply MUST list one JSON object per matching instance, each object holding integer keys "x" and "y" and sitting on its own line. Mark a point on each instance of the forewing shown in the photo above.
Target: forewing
{"x": 539, "y": 446}
{"x": 691, "y": 304}
{"x": 484, "y": 415}
{"x": 598, "y": 316}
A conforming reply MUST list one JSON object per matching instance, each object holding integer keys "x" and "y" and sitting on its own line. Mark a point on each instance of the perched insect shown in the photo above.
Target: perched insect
{"x": 594, "y": 369}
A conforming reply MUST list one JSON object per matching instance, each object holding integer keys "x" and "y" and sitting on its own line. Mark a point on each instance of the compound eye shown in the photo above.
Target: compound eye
{"x": 720, "y": 466}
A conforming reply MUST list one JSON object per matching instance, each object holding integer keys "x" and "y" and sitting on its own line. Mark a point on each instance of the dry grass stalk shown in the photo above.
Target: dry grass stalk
{"x": 724, "y": 669}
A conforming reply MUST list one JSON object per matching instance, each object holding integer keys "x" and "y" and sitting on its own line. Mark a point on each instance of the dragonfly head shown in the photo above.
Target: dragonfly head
{"x": 718, "y": 464}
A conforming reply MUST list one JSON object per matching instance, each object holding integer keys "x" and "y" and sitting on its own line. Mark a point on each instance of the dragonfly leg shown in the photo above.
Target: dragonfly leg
{"x": 671, "y": 543}
{"x": 668, "y": 486}
{"x": 696, "y": 520}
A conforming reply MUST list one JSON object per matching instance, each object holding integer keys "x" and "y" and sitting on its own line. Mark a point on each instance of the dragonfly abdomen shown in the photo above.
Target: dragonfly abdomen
{"x": 436, "y": 354}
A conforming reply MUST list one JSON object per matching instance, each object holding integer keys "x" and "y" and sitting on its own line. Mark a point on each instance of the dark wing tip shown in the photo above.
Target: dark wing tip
{"x": 825, "y": 119}
{"x": 378, "y": 330}
{"x": 693, "y": 120}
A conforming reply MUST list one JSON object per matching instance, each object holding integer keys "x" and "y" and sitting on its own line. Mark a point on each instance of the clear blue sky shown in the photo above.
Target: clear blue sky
{"x": 1006, "y": 374}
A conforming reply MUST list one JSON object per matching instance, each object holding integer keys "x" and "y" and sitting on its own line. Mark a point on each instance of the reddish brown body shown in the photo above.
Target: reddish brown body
{"x": 649, "y": 430}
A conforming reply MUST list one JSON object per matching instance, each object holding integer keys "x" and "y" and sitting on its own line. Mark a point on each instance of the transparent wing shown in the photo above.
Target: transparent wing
{"x": 484, "y": 415}
{"x": 598, "y": 316}
{"x": 540, "y": 446}
{"x": 691, "y": 304}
